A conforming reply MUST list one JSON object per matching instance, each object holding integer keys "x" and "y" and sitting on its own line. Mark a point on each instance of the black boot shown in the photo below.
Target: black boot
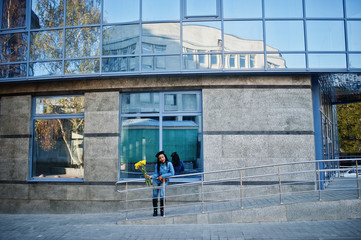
{"x": 162, "y": 207}
{"x": 155, "y": 207}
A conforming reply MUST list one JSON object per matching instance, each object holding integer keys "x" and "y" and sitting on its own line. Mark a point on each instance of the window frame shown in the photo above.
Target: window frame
{"x": 163, "y": 113}
{"x": 197, "y": 17}
{"x": 34, "y": 117}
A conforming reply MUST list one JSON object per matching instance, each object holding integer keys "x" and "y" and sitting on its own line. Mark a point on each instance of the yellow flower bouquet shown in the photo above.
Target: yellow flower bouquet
{"x": 141, "y": 166}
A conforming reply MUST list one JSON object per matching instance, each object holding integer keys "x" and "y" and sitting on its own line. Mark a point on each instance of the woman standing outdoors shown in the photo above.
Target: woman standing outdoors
{"x": 163, "y": 170}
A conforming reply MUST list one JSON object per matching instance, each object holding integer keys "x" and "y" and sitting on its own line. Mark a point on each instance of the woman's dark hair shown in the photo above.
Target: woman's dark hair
{"x": 175, "y": 159}
{"x": 158, "y": 162}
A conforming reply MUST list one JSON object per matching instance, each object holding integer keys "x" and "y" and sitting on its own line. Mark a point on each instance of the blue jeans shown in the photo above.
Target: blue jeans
{"x": 157, "y": 183}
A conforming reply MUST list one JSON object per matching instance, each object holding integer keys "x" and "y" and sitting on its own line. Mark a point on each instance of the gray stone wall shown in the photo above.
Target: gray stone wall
{"x": 259, "y": 125}
{"x": 15, "y": 137}
{"x": 101, "y": 130}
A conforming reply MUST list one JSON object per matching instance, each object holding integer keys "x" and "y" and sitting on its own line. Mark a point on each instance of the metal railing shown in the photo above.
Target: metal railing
{"x": 244, "y": 187}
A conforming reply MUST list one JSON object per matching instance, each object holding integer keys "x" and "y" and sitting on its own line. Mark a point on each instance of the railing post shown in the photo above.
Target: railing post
{"x": 358, "y": 184}
{"x": 240, "y": 188}
{"x": 126, "y": 201}
{"x": 202, "y": 192}
{"x": 280, "y": 185}
{"x": 164, "y": 199}
{"x": 319, "y": 181}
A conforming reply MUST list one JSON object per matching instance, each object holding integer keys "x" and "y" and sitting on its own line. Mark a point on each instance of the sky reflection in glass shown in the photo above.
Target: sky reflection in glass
{"x": 283, "y": 9}
{"x": 285, "y": 36}
{"x": 120, "y": 11}
{"x": 325, "y": 35}
{"x": 324, "y": 8}
{"x": 242, "y": 8}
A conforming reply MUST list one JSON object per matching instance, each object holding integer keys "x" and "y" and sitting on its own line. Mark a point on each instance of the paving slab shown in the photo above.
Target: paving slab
{"x": 103, "y": 226}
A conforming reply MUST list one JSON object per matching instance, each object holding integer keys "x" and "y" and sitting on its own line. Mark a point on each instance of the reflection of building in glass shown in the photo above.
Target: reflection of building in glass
{"x": 201, "y": 48}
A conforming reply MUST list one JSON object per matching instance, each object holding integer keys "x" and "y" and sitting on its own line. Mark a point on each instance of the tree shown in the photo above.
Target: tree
{"x": 349, "y": 127}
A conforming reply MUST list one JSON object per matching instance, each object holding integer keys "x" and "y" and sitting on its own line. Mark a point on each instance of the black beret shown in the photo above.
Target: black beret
{"x": 157, "y": 155}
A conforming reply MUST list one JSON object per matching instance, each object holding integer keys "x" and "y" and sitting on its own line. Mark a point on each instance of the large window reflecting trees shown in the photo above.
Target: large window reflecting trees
{"x": 153, "y": 121}
{"x": 58, "y": 124}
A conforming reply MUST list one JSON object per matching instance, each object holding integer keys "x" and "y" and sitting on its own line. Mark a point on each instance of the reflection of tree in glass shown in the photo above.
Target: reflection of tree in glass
{"x": 47, "y": 13}
{"x": 82, "y": 12}
{"x": 82, "y": 42}
{"x": 13, "y": 14}
{"x": 49, "y": 131}
{"x": 79, "y": 43}
{"x": 13, "y": 46}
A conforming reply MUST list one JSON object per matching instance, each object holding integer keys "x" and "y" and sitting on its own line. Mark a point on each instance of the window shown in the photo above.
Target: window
{"x": 242, "y": 61}
{"x": 232, "y": 61}
{"x": 201, "y": 8}
{"x": 57, "y": 147}
{"x": 13, "y": 13}
{"x": 169, "y": 121}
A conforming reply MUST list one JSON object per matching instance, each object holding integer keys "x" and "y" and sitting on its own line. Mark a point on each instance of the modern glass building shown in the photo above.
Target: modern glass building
{"x": 90, "y": 87}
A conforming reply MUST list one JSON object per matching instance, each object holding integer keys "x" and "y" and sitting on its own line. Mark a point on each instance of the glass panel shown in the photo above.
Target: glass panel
{"x": 325, "y": 36}
{"x": 285, "y": 36}
{"x": 13, "y": 13}
{"x": 46, "y": 45}
{"x": 202, "y": 36}
{"x": 286, "y": 61}
{"x": 201, "y": 8}
{"x": 13, "y": 47}
{"x": 242, "y": 8}
{"x": 82, "y": 12}
{"x": 182, "y": 102}
{"x": 45, "y": 68}
{"x": 121, "y": 40}
{"x": 207, "y": 61}
{"x": 154, "y": 10}
{"x": 353, "y": 8}
{"x": 324, "y": 8}
{"x": 47, "y": 14}
{"x": 161, "y": 38}
{"x": 139, "y": 141}
{"x": 354, "y": 35}
{"x": 12, "y": 71}
{"x": 161, "y": 63}
{"x": 58, "y": 150}
{"x": 121, "y": 64}
{"x": 120, "y": 11}
{"x": 84, "y": 66}
{"x": 244, "y": 61}
{"x": 82, "y": 42}
{"x": 355, "y": 60}
{"x": 136, "y": 103}
{"x": 243, "y": 36}
{"x": 327, "y": 60}
{"x": 183, "y": 134}
{"x": 283, "y": 9}
{"x": 59, "y": 105}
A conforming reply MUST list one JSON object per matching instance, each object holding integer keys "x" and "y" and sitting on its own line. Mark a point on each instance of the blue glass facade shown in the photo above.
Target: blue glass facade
{"x": 47, "y": 39}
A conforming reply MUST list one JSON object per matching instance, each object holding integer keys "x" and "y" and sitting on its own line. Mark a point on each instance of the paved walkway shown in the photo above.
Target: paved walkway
{"x": 103, "y": 226}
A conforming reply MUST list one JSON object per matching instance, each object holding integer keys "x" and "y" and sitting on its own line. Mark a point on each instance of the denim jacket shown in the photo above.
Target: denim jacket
{"x": 166, "y": 170}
